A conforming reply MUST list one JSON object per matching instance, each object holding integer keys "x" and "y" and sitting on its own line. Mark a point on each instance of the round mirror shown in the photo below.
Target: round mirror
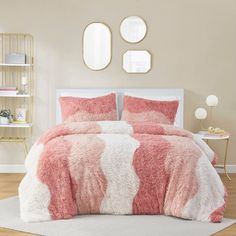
{"x": 133, "y": 29}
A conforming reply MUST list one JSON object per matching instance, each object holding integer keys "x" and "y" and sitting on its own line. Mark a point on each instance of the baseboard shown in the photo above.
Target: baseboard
{"x": 21, "y": 169}
{"x": 12, "y": 169}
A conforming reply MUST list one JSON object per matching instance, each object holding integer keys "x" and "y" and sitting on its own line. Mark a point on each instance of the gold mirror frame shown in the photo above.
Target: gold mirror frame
{"x": 148, "y": 66}
{"x": 144, "y": 25}
{"x": 92, "y": 44}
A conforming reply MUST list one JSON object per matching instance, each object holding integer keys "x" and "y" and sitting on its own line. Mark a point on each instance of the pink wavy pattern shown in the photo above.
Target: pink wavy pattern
{"x": 140, "y": 109}
{"x": 68, "y": 129}
{"x": 53, "y": 170}
{"x": 89, "y": 181}
{"x": 149, "y": 164}
{"x": 149, "y": 116}
{"x": 88, "y": 109}
{"x": 216, "y": 216}
{"x": 147, "y": 127}
{"x": 180, "y": 164}
{"x": 164, "y": 162}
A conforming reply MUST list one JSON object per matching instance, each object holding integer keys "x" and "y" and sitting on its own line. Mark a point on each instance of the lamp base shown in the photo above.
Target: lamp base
{"x": 202, "y": 126}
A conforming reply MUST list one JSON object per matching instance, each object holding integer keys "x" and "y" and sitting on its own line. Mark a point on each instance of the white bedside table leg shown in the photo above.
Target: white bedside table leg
{"x": 225, "y": 160}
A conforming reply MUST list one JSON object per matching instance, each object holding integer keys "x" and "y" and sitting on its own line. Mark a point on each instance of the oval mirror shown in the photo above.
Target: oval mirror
{"x": 133, "y": 29}
{"x": 97, "y": 46}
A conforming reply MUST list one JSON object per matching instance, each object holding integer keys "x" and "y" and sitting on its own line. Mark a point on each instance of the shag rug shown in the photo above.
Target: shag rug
{"x": 107, "y": 225}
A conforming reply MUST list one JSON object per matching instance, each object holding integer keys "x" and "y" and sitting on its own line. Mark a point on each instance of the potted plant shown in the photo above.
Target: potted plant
{"x": 5, "y": 116}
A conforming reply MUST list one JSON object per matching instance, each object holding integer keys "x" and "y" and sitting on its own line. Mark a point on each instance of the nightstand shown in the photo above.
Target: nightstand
{"x": 225, "y": 137}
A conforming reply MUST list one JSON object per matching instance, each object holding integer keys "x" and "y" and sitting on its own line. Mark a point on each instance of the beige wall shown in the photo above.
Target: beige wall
{"x": 193, "y": 46}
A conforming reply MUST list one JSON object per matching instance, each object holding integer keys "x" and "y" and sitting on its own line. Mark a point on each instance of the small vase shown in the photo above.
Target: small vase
{"x": 4, "y": 120}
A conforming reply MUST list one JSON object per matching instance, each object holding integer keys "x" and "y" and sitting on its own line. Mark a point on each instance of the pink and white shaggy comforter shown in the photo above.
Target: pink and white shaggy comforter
{"x": 116, "y": 167}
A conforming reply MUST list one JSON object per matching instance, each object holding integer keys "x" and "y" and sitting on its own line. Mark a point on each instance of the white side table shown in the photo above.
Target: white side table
{"x": 225, "y": 137}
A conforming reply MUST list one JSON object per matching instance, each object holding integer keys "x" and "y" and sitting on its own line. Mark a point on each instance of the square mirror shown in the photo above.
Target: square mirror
{"x": 137, "y": 61}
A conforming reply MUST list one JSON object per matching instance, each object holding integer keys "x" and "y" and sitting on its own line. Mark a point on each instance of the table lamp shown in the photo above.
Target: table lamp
{"x": 201, "y": 114}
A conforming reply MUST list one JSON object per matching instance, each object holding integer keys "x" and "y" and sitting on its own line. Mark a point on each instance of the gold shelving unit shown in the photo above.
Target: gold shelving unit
{"x": 10, "y": 76}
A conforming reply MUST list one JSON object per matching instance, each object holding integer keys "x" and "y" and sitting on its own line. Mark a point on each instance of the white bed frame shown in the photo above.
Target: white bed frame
{"x": 120, "y": 93}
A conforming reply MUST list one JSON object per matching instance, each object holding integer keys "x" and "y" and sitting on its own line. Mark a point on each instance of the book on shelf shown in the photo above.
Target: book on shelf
{"x": 8, "y": 91}
{"x": 8, "y": 88}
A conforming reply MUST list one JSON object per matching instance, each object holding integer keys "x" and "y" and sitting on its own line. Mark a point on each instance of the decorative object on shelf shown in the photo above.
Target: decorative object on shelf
{"x": 205, "y": 135}
{"x": 97, "y": 46}
{"x": 21, "y": 115}
{"x": 4, "y": 120}
{"x": 17, "y": 72}
{"x": 133, "y": 29}
{"x": 137, "y": 61}
{"x": 24, "y": 82}
{"x": 15, "y": 58}
{"x": 212, "y": 130}
{"x": 5, "y": 116}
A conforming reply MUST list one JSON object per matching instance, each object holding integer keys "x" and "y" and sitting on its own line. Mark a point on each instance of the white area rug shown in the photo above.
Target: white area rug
{"x": 107, "y": 225}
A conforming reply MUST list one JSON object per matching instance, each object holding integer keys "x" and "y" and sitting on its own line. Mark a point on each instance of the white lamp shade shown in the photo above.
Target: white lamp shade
{"x": 200, "y": 113}
{"x": 211, "y": 101}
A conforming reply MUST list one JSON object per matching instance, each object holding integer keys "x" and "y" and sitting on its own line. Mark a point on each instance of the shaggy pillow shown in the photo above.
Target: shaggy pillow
{"x": 140, "y": 109}
{"x": 88, "y": 109}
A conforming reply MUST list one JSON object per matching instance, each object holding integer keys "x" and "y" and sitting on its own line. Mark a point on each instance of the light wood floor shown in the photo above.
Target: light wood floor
{"x": 9, "y": 184}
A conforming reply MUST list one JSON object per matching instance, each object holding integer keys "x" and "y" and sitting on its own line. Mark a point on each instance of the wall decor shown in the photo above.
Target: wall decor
{"x": 137, "y": 61}
{"x": 133, "y": 29}
{"x": 97, "y": 46}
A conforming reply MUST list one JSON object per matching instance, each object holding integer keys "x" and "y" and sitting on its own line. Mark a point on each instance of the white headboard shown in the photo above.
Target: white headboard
{"x": 120, "y": 93}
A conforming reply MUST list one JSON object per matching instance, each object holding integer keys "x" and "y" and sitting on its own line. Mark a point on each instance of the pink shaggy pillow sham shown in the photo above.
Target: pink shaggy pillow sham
{"x": 88, "y": 109}
{"x": 140, "y": 109}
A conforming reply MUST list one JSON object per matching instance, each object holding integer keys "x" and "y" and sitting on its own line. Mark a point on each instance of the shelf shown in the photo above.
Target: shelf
{"x": 12, "y": 139}
{"x": 11, "y": 80}
{"x": 16, "y": 96}
{"x": 27, "y": 125}
{"x": 16, "y": 65}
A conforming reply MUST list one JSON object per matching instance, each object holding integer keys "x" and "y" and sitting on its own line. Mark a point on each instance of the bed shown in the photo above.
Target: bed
{"x": 130, "y": 166}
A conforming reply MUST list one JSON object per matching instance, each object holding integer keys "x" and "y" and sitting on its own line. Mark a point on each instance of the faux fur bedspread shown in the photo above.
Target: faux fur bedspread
{"x": 115, "y": 167}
